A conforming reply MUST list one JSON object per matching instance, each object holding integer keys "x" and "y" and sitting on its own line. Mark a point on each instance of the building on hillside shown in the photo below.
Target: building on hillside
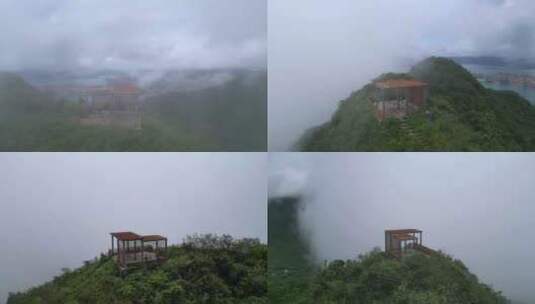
{"x": 400, "y": 241}
{"x": 398, "y": 97}
{"x": 116, "y": 97}
{"x": 129, "y": 248}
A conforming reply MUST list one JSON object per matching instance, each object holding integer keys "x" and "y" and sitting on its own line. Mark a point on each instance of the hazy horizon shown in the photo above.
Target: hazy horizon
{"x": 477, "y": 207}
{"x": 58, "y": 209}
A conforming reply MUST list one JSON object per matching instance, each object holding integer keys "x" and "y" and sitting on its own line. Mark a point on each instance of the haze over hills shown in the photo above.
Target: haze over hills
{"x": 373, "y": 277}
{"x": 319, "y": 56}
{"x": 465, "y": 117}
{"x": 115, "y": 58}
{"x": 58, "y": 210}
{"x": 476, "y": 207}
{"x": 524, "y": 63}
{"x": 204, "y": 269}
{"x": 181, "y": 110}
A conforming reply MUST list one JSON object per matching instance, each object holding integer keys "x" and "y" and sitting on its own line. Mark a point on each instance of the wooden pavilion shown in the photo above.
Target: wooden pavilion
{"x": 400, "y": 241}
{"x": 131, "y": 248}
{"x": 398, "y": 97}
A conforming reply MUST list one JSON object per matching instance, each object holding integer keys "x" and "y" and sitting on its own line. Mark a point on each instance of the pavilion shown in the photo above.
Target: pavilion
{"x": 131, "y": 248}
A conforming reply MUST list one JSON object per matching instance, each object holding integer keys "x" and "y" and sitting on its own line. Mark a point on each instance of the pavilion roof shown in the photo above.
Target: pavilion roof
{"x": 126, "y": 236}
{"x": 402, "y": 231}
{"x": 149, "y": 238}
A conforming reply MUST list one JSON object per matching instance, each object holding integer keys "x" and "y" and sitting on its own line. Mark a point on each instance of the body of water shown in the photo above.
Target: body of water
{"x": 526, "y": 92}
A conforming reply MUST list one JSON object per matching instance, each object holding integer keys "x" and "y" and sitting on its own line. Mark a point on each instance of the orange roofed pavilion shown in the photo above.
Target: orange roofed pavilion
{"x": 132, "y": 248}
{"x": 398, "y": 97}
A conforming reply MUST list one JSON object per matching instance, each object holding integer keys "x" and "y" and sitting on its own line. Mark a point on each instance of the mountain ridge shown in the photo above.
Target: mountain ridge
{"x": 204, "y": 269}
{"x": 372, "y": 277}
{"x": 466, "y": 117}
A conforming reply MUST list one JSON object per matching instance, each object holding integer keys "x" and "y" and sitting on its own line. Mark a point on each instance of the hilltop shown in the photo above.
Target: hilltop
{"x": 465, "y": 117}
{"x": 416, "y": 278}
{"x": 207, "y": 269}
{"x": 370, "y": 278}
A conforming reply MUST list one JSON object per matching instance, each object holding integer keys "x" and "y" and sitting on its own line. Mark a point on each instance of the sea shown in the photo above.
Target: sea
{"x": 526, "y": 92}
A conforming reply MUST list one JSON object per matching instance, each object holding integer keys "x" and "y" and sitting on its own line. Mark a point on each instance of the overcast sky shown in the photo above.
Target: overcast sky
{"x": 478, "y": 207}
{"x": 57, "y": 210}
{"x": 117, "y": 34}
{"x": 321, "y": 51}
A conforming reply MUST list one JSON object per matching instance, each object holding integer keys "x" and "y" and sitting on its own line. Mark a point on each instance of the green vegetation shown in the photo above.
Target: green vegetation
{"x": 205, "y": 269}
{"x": 231, "y": 117}
{"x": 415, "y": 279}
{"x": 460, "y": 115}
{"x": 289, "y": 269}
{"x": 372, "y": 278}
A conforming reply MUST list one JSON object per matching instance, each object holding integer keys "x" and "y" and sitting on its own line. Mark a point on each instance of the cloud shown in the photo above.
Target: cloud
{"x": 476, "y": 207}
{"x": 57, "y": 209}
{"x": 287, "y": 175}
{"x": 287, "y": 182}
{"x": 132, "y": 35}
{"x": 319, "y": 52}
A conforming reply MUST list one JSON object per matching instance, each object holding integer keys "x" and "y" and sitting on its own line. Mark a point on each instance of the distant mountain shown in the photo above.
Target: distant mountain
{"x": 16, "y": 95}
{"x": 70, "y": 77}
{"x": 460, "y": 115}
{"x": 523, "y": 63}
{"x": 188, "y": 80}
{"x": 481, "y": 60}
{"x": 218, "y": 271}
{"x": 229, "y": 107}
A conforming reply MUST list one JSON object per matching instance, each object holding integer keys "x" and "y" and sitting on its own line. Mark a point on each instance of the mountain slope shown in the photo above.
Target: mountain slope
{"x": 227, "y": 117}
{"x": 415, "y": 279}
{"x": 289, "y": 269}
{"x": 205, "y": 269}
{"x": 18, "y": 96}
{"x": 371, "y": 278}
{"x": 233, "y": 113}
{"x": 465, "y": 117}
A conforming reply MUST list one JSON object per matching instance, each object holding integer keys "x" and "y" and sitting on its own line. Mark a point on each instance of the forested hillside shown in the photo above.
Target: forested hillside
{"x": 373, "y": 277}
{"x": 415, "y": 279}
{"x": 205, "y": 269}
{"x": 228, "y": 117}
{"x": 460, "y": 115}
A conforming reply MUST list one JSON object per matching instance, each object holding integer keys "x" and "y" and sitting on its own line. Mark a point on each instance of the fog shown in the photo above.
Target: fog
{"x": 477, "y": 207}
{"x": 160, "y": 34}
{"x": 319, "y": 51}
{"x": 57, "y": 210}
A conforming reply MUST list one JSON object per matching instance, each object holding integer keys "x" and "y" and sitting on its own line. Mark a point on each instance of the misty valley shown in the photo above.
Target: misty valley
{"x": 175, "y": 110}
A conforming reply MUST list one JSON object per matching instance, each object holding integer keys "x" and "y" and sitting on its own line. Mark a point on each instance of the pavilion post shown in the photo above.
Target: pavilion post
{"x": 386, "y": 246}
{"x": 111, "y": 254}
{"x": 135, "y": 249}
